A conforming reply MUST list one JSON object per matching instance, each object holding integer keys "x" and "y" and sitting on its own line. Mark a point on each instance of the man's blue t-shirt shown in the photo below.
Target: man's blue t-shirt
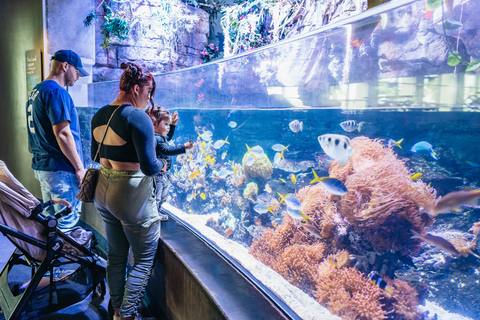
{"x": 47, "y": 105}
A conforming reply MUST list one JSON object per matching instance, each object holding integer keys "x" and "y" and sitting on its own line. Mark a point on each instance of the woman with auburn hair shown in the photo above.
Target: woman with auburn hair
{"x": 125, "y": 193}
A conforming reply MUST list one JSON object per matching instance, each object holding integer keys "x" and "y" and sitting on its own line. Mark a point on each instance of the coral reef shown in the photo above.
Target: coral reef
{"x": 382, "y": 202}
{"x": 260, "y": 168}
{"x": 238, "y": 179}
{"x": 404, "y": 300}
{"x": 348, "y": 293}
{"x": 463, "y": 246}
{"x": 298, "y": 264}
{"x": 374, "y": 217}
{"x": 251, "y": 191}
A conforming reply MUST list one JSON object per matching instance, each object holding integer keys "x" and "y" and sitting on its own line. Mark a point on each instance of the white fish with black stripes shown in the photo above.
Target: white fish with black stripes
{"x": 296, "y": 126}
{"x": 352, "y": 125}
{"x": 337, "y": 147}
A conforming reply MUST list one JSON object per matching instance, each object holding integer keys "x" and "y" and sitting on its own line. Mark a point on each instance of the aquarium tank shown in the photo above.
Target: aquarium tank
{"x": 340, "y": 167}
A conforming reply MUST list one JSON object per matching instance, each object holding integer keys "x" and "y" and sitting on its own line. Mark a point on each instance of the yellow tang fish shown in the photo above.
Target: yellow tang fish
{"x": 203, "y": 144}
{"x": 283, "y": 180}
{"x": 203, "y": 196}
{"x": 194, "y": 174}
{"x": 293, "y": 178}
{"x": 417, "y": 176}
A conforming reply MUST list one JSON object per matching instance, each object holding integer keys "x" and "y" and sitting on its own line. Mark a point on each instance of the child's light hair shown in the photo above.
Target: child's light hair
{"x": 157, "y": 114}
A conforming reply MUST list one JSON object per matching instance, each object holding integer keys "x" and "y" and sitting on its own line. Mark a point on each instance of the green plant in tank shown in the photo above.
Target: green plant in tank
{"x": 454, "y": 57}
{"x": 254, "y": 23}
{"x": 117, "y": 20}
{"x": 116, "y": 25}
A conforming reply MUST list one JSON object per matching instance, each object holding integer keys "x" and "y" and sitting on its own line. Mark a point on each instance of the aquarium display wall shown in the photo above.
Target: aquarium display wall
{"x": 340, "y": 168}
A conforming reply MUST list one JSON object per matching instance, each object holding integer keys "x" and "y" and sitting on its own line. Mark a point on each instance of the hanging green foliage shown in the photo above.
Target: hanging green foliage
{"x": 251, "y": 24}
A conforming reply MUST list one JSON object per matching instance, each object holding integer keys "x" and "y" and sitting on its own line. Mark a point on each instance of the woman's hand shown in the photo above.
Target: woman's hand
{"x": 164, "y": 169}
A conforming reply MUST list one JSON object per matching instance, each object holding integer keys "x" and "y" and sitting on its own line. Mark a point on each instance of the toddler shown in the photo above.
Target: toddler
{"x": 164, "y": 125}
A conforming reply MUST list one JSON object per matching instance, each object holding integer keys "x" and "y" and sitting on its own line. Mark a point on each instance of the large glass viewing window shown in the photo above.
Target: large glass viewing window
{"x": 396, "y": 90}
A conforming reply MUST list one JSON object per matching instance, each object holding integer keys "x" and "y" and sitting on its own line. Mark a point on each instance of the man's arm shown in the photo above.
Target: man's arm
{"x": 67, "y": 145}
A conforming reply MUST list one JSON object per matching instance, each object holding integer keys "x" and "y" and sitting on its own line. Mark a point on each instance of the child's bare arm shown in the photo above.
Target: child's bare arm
{"x": 188, "y": 144}
{"x": 175, "y": 118}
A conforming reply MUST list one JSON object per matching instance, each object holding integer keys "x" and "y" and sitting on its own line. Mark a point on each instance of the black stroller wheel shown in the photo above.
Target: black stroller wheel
{"x": 100, "y": 290}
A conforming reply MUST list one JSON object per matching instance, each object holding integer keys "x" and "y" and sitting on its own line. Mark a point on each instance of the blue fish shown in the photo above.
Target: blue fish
{"x": 423, "y": 147}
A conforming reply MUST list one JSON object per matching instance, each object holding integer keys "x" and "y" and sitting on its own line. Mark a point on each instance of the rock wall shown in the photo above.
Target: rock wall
{"x": 145, "y": 43}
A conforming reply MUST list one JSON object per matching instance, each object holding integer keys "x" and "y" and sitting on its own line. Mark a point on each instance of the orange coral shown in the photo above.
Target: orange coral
{"x": 346, "y": 291}
{"x": 463, "y": 246}
{"x": 379, "y": 209}
{"x": 475, "y": 229}
{"x": 298, "y": 264}
{"x": 405, "y": 299}
{"x": 318, "y": 204}
{"x": 382, "y": 199}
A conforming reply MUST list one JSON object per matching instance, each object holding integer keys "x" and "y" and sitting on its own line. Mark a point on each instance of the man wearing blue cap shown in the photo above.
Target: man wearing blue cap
{"x": 54, "y": 135}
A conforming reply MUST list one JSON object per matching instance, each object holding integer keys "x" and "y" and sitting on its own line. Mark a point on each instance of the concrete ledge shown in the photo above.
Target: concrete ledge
{"x": 190, "y": 281}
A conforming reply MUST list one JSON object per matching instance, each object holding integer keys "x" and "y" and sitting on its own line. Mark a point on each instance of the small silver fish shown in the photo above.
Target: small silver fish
{"x": 392, "y": 143}
{"x": 261, "y": 208}
{"x": 224, "y": 155}
{"x": 334, "y": 186}
{"x": 292, "y": 202}
{"x": 452, "y": 201}
{"x": 352, "y": 125}
{"x": 232, "y": 124}
{"x": 220, "y": 143}
{"x": 206, "y": 135}
{"x": 296, "y": 214}
{"x": 279, "y": 147}
{"x": 336, "y": 146}
{"x": 436, "y": 241}
{"x": 250, "y": 160}
{"x": 296, "y": 126}
{"x": 224, "y": 173}
{"x": 311, "y": 229}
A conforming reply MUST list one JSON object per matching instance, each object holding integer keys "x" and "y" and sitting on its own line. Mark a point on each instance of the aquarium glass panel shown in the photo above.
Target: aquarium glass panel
{"x": 340, "y": 167}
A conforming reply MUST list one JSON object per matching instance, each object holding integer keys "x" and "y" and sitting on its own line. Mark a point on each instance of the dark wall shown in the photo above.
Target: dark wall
{"x": 21, "y": 26}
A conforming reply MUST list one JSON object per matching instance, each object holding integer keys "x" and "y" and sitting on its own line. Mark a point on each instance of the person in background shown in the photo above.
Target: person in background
{"x": 164, "y": 126}
{"x": 54, "y": 135}
{"x": 125, "y": 192}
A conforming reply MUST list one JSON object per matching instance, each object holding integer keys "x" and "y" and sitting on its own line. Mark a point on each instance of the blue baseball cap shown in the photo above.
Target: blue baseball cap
{"x": 71, "y": 58}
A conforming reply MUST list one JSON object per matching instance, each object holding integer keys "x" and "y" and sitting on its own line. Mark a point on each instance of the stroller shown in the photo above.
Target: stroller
{"x": 57, "y": 264}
